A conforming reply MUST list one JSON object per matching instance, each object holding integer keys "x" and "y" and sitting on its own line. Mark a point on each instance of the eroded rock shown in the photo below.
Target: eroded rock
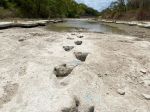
{"x": 81, "y": 56}
{"x": 68, "y": 48}
{"x": 143, "y": 71}
{"x": 74, "y": 108}
{"x": 78, "y": 42}
{"x": 121, "y": 91}
{"x": 91, "y": 109}
{"x": 146, "y": 96}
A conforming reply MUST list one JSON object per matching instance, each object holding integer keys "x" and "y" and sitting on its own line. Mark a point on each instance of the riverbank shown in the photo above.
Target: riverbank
{"x": 142, "y": 24}
{"x": 39, "y": 73}
{"x": 142, "y": 33}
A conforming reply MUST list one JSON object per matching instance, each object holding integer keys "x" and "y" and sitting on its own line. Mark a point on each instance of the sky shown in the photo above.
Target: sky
{"x": 96, "y": 4}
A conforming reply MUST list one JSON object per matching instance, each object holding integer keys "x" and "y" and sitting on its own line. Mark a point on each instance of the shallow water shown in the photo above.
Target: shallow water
{"x": 83, "y": 26}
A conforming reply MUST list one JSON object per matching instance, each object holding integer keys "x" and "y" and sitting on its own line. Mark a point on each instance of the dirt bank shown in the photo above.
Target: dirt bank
{"x": 38, "y": 75}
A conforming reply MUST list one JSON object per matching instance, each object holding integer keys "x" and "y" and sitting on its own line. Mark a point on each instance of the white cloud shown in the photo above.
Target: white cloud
{"x": 97, "y": 4}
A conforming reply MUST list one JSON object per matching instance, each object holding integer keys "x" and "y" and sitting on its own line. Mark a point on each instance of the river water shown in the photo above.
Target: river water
{"x": 83, "y": 25}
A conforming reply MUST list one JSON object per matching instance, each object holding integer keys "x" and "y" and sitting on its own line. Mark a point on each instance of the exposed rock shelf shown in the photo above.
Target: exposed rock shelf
{"x": 107, "y": 73}
{"x": 142, "y": 24}
{"x": 27, "y": 24}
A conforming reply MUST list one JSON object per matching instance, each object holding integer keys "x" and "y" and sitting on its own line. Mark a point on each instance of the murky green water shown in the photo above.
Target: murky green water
{"x": 83, "y": 26}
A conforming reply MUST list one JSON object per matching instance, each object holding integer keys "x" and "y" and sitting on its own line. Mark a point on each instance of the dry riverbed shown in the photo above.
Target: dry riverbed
{"x": 45, "y": 71}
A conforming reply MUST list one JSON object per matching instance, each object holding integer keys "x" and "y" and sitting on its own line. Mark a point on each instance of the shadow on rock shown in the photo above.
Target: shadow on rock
{"x": 78, "y": 42}
{"x": 64, "y": 69}
{"x": 81, "y": 56}
{"x": 76, "y": 107}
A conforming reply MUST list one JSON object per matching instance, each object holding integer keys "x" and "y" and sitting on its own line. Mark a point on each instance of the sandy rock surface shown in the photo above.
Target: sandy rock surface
{"x": 28, "y": 83}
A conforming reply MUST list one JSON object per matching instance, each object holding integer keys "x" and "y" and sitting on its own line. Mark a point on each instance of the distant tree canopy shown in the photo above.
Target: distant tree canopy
{"x": 47, "y": 8}
{"x": 137, "y": 9}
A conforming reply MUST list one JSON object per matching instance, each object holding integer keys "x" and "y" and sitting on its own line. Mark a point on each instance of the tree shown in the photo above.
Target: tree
{"x": 47, "y": 8}
{"x": 139, "y": 8}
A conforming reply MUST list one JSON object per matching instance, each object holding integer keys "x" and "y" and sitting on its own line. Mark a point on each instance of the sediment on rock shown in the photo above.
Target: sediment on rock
{"x": 10, "y": 90}
{"x": 81, "y": 56}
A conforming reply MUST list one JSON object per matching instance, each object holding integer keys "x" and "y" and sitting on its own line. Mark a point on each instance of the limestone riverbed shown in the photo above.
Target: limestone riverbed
{"x": 46, "y": 71}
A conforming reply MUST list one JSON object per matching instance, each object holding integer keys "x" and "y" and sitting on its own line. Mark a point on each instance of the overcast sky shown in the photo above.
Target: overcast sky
{"x": 96, "y": 4}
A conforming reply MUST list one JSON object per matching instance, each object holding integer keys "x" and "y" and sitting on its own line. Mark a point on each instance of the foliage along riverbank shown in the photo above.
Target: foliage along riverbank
{"x": 128, "y": 10}
{"x": 44, "y": 9}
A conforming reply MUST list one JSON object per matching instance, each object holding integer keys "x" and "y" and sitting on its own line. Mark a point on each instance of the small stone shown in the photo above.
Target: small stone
{"x": 68, "y": 48}
{"x": 143, "y": 71}
{"x": 121, "y": 91}
{"x": 81, "y": 56}
{"x": 21, "y": 40}
{"x": 78, "y": 42}
{"x": 146, "y": 96}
